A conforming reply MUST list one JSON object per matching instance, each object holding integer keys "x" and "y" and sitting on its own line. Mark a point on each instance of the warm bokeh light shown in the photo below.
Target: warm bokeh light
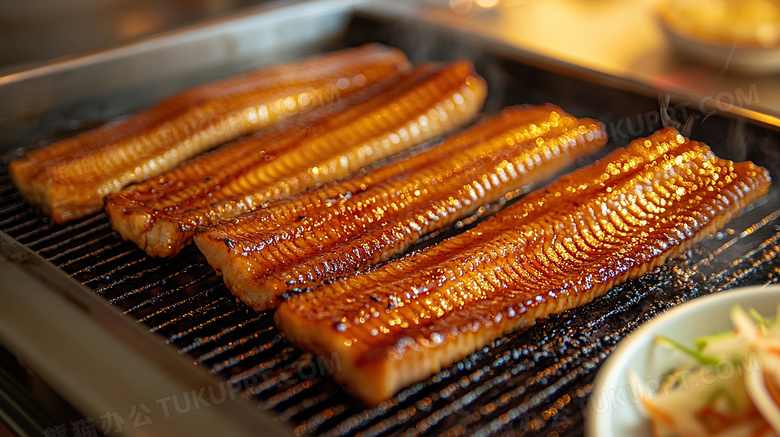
{"x": 487, "y": 4}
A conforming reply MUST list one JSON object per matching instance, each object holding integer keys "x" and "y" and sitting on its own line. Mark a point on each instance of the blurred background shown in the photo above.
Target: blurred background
{"x": 36, "y": 30}
{"x": 701, "y": 47}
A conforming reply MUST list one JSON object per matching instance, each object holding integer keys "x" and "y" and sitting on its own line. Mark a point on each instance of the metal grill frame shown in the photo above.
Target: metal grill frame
{"x": 534, "y": 381}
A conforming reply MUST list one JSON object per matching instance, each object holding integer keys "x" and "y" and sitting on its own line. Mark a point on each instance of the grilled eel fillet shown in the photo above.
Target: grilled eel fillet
{"x": 337, "y": 230}
{"x": 556, "y": 249}
{"x": 161, "y": 215}
{"x": 70, "y": 178}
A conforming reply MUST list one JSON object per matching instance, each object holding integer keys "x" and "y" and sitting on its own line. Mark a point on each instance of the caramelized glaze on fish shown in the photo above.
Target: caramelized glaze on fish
{"x": 161, "y": 215}
{"x": 340, "y": 229}
{"x": 69, "y": 179}
{"x": 556, "y": 249}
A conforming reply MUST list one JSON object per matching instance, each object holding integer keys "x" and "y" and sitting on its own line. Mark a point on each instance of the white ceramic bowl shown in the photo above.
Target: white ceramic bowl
{"x": 612, "y": 409}
{"x": 735, "y": 58}
{"x": 739, "y": 36}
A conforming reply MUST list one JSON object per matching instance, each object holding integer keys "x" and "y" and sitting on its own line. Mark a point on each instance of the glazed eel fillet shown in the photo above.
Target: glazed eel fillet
{"x": 555, "y": 249}
{"x": 346, "y": 227}
{"x": 70, "y": 178}
{"x": 332, "y": 142}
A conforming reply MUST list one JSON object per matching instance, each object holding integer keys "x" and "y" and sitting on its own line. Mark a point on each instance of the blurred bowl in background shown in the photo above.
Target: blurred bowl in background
{"x": 738, "y": 36}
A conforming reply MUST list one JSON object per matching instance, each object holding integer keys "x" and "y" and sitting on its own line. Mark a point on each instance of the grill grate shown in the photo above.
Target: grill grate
{"x": 535, "y": 381}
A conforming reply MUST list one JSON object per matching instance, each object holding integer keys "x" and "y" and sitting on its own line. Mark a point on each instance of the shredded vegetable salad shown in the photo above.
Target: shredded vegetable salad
{"x": 730, "y": 388}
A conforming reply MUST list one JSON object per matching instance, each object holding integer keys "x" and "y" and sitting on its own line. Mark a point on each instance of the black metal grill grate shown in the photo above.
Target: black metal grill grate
{"x": 530, "y": 382}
